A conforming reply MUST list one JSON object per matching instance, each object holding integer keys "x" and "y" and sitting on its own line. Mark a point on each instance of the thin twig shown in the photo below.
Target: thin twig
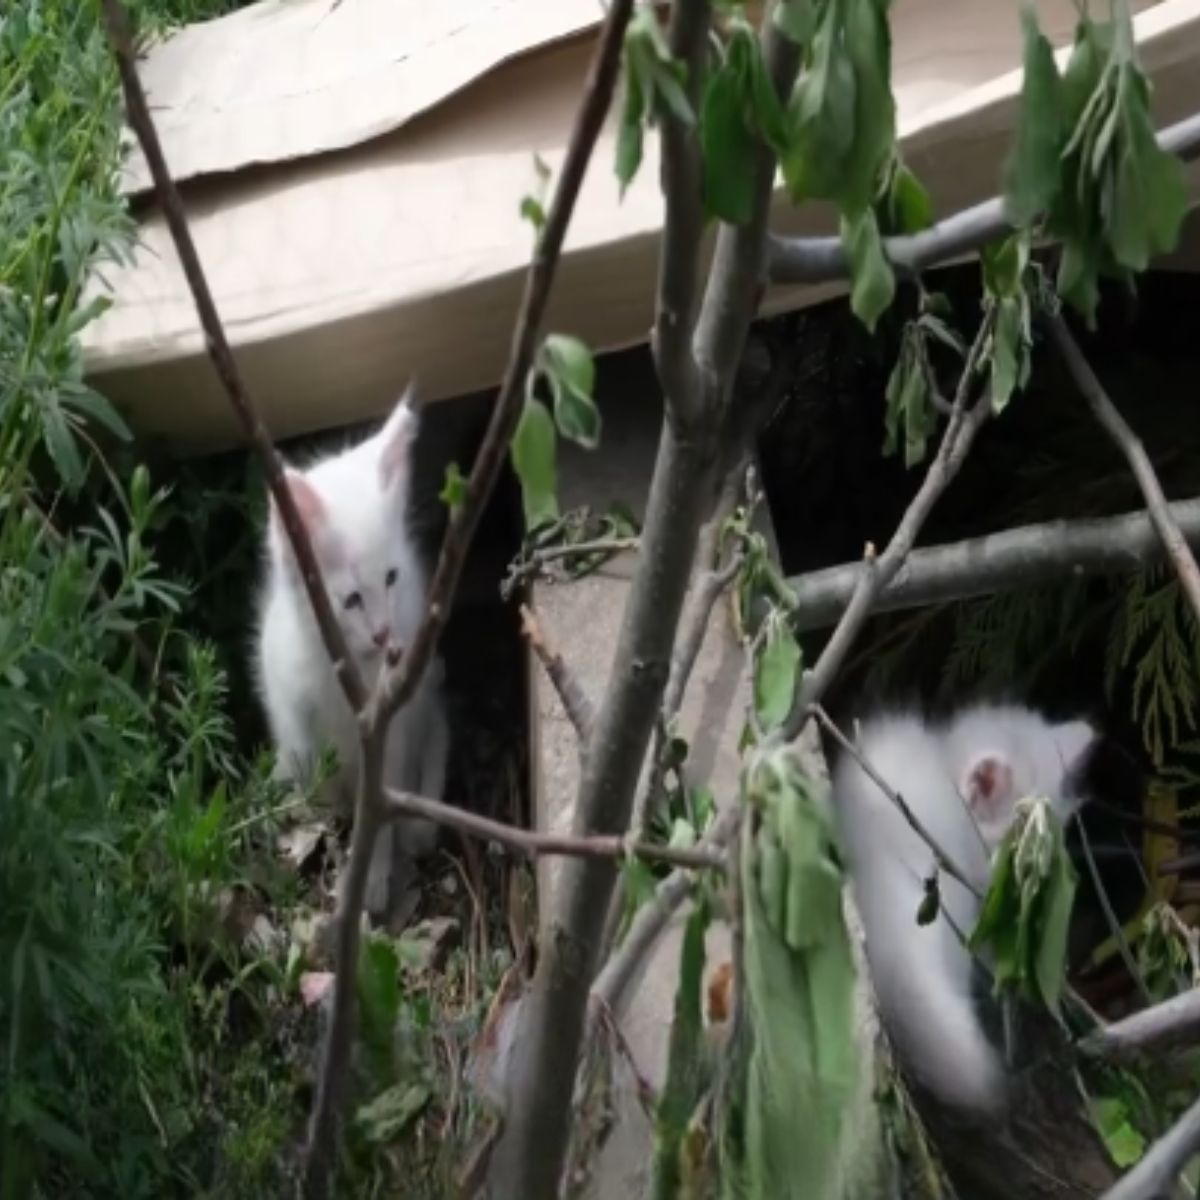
{"x": 1114, "y": 924}
{"x": 120, "y": 38}
{"x": 1156, "y": 1172}
{"x": 396, "y": 685}
{"x": 823, "y": 259}
{"x": 575, "y": 701}
{"x": 877, "y": 573}
{"x": 1130, "y": 445}
{"x": 943, "y": 860}
{"x": 530, "y": 565}
{"x": 1021, "y": 557}
{"x": 532, "y": 844}
{"x": 1157, "y": 1029}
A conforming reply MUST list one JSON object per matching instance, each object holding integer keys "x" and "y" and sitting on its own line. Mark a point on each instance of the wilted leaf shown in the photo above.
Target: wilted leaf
{"x": 728, "y": 150}
{"x": 872, "y": 284}
{"x": 1033, "y": 170}
{"x": 776, "y": 671}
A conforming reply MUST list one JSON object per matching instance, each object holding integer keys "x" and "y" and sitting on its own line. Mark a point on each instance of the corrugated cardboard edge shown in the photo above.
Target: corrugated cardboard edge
{"x": 456, "y": 340}
{"x": 289, "y": 79}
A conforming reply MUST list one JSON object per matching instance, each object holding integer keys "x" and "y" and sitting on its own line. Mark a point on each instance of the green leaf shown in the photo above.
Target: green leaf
{"x": 454, "y": 490}
{"x": 796, "y": 20}
{"x": 796, "y": 1078}
{"x": 629, "y": 131}
{"x": 567, "y": 362}
{"x": 533, "y": 212}
{"x": 392, "y": 1111}
{"x": 532, "y": 452}
{"x": 872, "y": 284}
{"x": 1033, "y": 170}
{"x": 1007, "y": 352}
{"x": 776, "y": 671}
{"x": 909, "y": 407}
{"x": 909, "y": 205}
{"x": 728, "y": 150}
{"x": 379, "y": 1003}
{"x": 1124, "y": 1143}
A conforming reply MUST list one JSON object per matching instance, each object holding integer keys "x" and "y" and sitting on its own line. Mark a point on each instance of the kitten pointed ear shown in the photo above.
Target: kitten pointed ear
{"x": 987, "y": 786}
{"x": 1074, "y": 740}
{"x": 396, "y": 439}
{"x": 307, "y": 499}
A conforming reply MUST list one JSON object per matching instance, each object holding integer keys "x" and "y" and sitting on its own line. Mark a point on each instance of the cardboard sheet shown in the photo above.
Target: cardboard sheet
{"x": 354, "y": 259}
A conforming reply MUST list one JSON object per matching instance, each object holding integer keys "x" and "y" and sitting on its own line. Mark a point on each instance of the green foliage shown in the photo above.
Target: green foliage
{"x": 1087, "y": 159}
{"x": 1027, "y": 909}
{"x": 740, "y": 107}
{"x": 533, "y": 460}
{"x": 776, "y": 670}
{"x": 1011, "y": 286}
{"x": 1156, "y": 629}
{"x": 655, "y": 86}
{"x": 800, "y": 1062}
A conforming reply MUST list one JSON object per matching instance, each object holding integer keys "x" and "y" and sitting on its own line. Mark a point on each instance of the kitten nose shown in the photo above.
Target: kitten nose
{"x": 381, "y": 636}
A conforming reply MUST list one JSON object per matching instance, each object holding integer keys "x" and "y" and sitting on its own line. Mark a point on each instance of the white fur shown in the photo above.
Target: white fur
{"x": 354, "y": 505}
{"x": 922, "y": 974}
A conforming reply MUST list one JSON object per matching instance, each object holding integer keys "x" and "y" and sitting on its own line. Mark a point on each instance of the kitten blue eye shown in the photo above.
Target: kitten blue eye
{"x": 390, "y": 577}
{"x": 354, "y": 600}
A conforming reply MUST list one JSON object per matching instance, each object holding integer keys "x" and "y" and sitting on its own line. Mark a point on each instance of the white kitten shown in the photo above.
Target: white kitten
{"x": 354, "y": 505}
{"x": 962, "y": 779}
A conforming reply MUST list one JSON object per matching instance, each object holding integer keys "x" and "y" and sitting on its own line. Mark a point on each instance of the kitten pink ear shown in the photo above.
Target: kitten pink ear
{"x": 988, "y": 786}
{"x": 396, "y": 439}
{"x": 308, "y": 502}
{"x": 1073, "y": 739}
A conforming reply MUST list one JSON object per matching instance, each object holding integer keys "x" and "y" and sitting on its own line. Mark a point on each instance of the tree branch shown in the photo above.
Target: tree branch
{"x": 117, "y": 24}
{"x": 398, "y": 684}
{"x": 877, "y": 573}
{"x": 1157, "y": 1029}
{"x": 1021, "y": 557}
{"x": 823, "y": 259}
{"x": 529, "y": 1159}
{"x": 1130, "y": 445}
{"x": 532, "y": 844}
{"x": 1155, "y": 1174}
{"x": 575, "y": 701}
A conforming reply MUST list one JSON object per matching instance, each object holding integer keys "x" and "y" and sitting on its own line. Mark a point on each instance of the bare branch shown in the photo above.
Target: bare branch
{"x": 531, "y": 844}
{"x": 877, "y": 573}
{"x": 529, "y": 1158}
{"x": 1157, "y": 1029}
{"x": 943, "y": 860}
{"x": 1130, "y": 445}
{"x": 683, "y": 221}
{"x": 575, "y": 701}
{"x": 398, "y": 684}
{"x": 117, "y": 24}
{"x": 823, "y": 259}
{"x": 1021, "y": 557}
{"x": 1155, "y": 1174}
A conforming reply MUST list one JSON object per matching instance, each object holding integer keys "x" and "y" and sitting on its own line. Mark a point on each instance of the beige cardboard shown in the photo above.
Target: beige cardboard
{"x": 341, "y": 274}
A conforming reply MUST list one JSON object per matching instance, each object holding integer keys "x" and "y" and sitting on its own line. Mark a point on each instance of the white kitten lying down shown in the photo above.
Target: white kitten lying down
{"x": 962, "y": 778}
{"x": 354, "y": 505}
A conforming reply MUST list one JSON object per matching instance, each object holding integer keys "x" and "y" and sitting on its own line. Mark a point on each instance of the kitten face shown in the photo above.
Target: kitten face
{"x": 354, "y": 506}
